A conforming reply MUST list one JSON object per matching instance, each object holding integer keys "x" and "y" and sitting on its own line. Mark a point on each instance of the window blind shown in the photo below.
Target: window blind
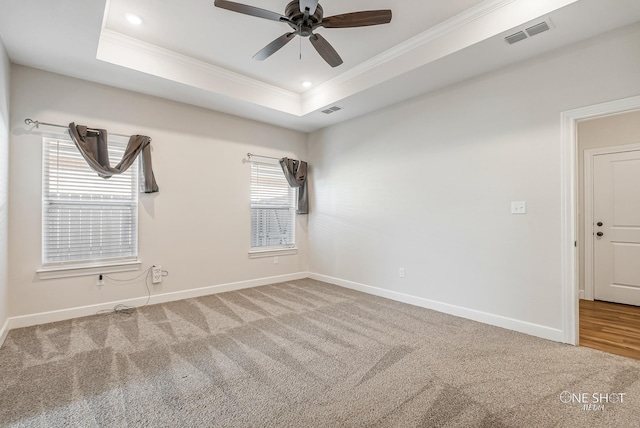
{"x": 87, "y": 219}
{"x": 272, "y": 208}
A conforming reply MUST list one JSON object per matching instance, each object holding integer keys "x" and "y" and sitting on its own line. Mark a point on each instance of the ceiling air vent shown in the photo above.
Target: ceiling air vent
{"x": 331, "y": 110}
{"x": 537, "y": 29}
{"x": 516, "y": 37}
{"x": 531, "y": 31}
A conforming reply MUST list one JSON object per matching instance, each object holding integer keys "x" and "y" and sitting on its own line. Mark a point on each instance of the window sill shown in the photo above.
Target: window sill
{"x": 257, "y": 254}
{"x": 54, "y": 272}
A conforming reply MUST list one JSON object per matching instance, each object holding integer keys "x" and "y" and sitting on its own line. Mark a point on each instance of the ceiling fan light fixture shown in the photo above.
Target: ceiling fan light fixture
{"x": 133, "y": 18}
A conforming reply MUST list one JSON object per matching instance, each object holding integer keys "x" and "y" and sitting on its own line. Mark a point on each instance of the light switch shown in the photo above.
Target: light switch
{"x": 519, "y": 207}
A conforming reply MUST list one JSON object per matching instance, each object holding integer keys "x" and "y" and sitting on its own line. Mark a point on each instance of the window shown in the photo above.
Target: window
{"x": 273, "y": 218}
{"x": 86, "y": 219}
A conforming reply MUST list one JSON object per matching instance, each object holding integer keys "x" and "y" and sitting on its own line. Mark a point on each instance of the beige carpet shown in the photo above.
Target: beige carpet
{"x": 304, "y": 354}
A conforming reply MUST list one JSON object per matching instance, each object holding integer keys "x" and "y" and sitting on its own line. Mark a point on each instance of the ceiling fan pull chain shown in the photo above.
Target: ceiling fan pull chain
{"x": 300, "y": 38}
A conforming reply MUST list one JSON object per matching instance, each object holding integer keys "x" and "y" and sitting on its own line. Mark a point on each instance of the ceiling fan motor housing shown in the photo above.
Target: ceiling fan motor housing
{"x": 294, "y": 14}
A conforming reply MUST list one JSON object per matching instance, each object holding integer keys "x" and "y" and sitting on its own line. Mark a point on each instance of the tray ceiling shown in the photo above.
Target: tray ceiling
{"x": 193, "y": 52}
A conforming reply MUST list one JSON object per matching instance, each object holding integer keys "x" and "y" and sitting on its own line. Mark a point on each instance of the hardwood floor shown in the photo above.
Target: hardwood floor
{"x": 610, "y": 327}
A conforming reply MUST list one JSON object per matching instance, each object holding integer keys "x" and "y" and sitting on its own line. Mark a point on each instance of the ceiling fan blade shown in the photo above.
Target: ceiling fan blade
{"x": 311, "y": 4}
{"x": 326, "y": 51}
{"x": 274, "y": 46}
{"x": 357, "y": 19}
{"x": 250, "y": 10}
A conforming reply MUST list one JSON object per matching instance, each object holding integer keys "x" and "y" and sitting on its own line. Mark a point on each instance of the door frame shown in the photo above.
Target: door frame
{"x": 569, "y": 265}
{"x": 589, "y": 155}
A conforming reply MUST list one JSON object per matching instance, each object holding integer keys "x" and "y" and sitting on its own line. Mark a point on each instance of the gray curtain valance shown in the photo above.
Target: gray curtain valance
{"x": 93, "y": 147}
{"x": 295, "y": 172}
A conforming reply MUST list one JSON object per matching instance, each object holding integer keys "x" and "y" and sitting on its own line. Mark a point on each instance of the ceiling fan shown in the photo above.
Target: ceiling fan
{"x": 304, "y": 16}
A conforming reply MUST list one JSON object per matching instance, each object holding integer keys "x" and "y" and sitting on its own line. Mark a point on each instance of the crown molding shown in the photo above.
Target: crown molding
{"x": 130, "y": 52}
{"x": 433, "y": 33}
{"x": 480, "y": 22}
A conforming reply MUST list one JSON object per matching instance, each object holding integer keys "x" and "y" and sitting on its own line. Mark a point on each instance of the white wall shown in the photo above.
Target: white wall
{"x": 4, "y": 183}
{"x": 427, "y": 186}
{"x": 197, "y": 227}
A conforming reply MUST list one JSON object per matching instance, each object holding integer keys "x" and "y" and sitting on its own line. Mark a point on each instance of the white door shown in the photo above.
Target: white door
{"x": 616, "y": 227}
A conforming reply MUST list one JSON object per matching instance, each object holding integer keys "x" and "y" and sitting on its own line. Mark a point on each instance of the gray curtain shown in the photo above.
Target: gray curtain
{"x": 93, "y": 146}
{"x": 296, "y": 174}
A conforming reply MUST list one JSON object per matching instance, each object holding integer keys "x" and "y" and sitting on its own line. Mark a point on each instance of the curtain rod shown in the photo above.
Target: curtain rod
{"x": 38, "y": 123}
{"x": 250, "y": 155}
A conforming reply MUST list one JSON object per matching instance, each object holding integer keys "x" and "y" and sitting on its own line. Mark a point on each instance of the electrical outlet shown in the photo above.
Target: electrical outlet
{"x": 156, "y": 274}
{"x": 401, "y": 273}
{"x": 100, "y": 281}
{"x": 276, "y": 260}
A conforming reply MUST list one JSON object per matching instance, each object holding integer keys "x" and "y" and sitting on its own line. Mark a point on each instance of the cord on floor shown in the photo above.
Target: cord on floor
{"x": 126, "y": 309}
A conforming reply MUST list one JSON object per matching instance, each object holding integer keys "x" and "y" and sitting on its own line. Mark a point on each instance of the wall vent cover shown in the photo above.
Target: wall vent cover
{"x": 530, "y": 31}
{"x": 331, "y": 110}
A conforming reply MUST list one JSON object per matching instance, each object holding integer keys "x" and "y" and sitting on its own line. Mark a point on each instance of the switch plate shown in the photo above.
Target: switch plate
{"x": 156, "y": 274}
{"x": 519, "y": 207}
{"x": 401, "y": 272}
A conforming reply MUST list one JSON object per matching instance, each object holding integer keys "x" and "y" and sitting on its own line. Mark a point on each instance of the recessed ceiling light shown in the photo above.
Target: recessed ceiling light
{"x": 133, "y": 19}
{"x": 307, "y": 84}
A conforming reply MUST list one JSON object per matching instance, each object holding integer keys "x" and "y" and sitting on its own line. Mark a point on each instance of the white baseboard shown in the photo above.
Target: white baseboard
{"x": 65, "y": 314}
{"x": 4, "y": 331}
{"x": 544, "y": 332}
{"x": 581, "y": 294}
{"x": 484, "y": 317}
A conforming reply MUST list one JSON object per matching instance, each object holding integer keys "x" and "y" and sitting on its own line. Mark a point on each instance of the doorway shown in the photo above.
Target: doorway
{"x": 608, "y": 214}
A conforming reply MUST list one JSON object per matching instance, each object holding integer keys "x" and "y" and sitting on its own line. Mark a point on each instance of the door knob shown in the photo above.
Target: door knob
{"x": 600, "y": 234}
{"x": 599, "y": 224}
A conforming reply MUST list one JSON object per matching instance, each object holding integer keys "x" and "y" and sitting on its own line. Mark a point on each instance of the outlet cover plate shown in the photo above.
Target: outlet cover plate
{"x": 519, "y": 207}
{"x": 156, "y": 274}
